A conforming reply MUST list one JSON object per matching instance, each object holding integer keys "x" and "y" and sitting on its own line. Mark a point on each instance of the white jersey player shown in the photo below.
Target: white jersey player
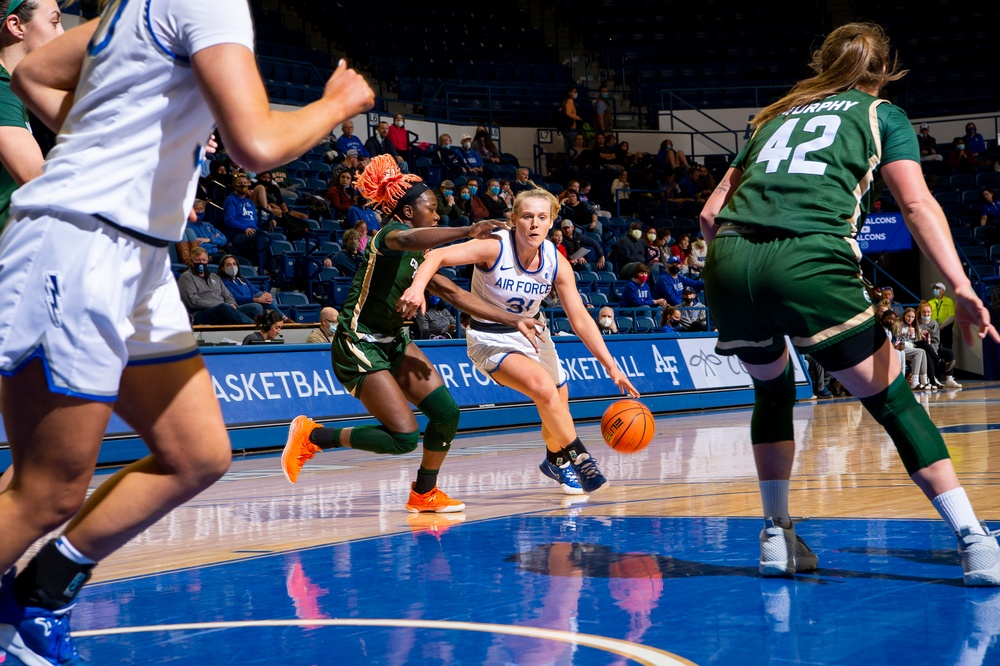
{"x": 515, "y": 270}
{"x": 92, "y": 317}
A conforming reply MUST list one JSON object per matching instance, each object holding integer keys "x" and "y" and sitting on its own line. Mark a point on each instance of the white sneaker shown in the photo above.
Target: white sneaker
{"x": 980, "y": 557}
{"x": 950, "y": 382}
{"x": 784, "y": 553}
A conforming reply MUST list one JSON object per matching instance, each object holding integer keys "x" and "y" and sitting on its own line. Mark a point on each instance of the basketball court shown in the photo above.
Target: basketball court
{"x": 659, "y": 568}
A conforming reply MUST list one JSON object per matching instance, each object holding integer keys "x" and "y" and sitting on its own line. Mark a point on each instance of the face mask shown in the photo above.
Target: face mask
{"x": 636, "y": 233}
{"x": 398, "y": 123}
{"x": 925, "y": 320}
{"x": 605, "y": 322}
{"x": 446, "y": 146}
{"x": 200, "y": 216}
{"x": 970, "y": 130}
{"x": 448, "y": 193}
{"x": 495, "y": 190}
{"x": 674, "y": 268}
{"x": 675, "y": 322}
{"x": 651, "y": 237}
{"x": 231, "y": 271}
{"x": 574, "y": 95}
{"x": 466, "y": 144}
{"x": 641, "y": 279}
{"x": 466, "y": 196}
{"x": 200, "y": 268}
{"x": 332, "y": 328}
{"x": 937, "y": 293}
{"x": 960, "y": 146}
{"x": 473, "y": 189}
{"x": 604, "y": 95}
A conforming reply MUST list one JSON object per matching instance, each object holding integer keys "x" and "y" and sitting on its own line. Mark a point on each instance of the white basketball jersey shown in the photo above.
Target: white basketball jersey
{"x": 508, "y": 286}
{"x": 132, "y": 146}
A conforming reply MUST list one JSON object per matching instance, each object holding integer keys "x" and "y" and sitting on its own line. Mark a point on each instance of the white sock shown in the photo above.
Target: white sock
{"x": 774, "y": 499}
{"x": 955, "y": 508}
{"x": 70, "y": 552}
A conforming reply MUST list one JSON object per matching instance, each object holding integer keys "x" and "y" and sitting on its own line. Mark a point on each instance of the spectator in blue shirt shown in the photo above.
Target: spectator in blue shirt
{"x": 636, "y": 292}
{"x": 348, "y": 141}
{"x": 670, "y": 287}
{"x": 239, "y": 215}
{"x": 670, "y": 322}
{"x": 991, "y": 208}
{"x": 473, "y": 160}
{"x": 974, "y": 141}
{"x": 206, "y": 235}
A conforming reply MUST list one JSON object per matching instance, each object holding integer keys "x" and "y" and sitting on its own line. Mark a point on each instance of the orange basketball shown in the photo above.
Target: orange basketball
{"x": 627, "y": 426}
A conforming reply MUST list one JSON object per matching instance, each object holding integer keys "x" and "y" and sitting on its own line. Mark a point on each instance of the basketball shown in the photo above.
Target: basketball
{"x": 627, "y": 426}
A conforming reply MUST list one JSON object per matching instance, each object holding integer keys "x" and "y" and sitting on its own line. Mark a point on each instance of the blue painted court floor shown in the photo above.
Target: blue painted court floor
{"x": 559, "y": 589}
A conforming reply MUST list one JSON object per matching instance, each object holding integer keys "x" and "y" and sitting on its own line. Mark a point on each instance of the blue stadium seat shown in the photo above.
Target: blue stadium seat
{"x": 624, "y": 324}
{"x": 645, "y": 325}
{"x": 341, "y": 288}
{"x": 306, "y": 313}
{"x": 598, "y": 300}
{"x": 292, "y": 298}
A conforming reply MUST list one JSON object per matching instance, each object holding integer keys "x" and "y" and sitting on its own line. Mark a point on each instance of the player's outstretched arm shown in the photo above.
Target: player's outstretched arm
{"x": 256, "y": 136}
{"x": 585, "y": 327}
{"x": 46, "y": 78}
{"x": 473, "y": 305}
{"x": 474, "y": 252}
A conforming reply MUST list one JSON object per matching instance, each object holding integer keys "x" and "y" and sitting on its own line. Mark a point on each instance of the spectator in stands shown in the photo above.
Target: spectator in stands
{"x": 670, "y": 322}
{"x": 507, "y": 193}
{"x": 818, "y": 375}
{"x": 581, "y": 213}
{"x": 990, "y": 212}
{"x": 583, "y": 157}
{"x": 522, "y": 181}
{"x": 569, "y": 120}
{"x": 907, "y": 330}
{"x": 669, "y": 157}
{"x": 362, "y": 228}
{"x": 437, "y": 322}
{"x": 205, "y": 296}
{"x": 473, "y": 160}
{"x": 249, "y": 300}
{"x": 269, "y": 325}
{"x": 240, "y": 218}
{"x": 452, "y": 163}
{"x": 943, "y": 311}
{"x": 928, "y": 145}
{"x": 694, "y": 315}
{"x": 974, "y": 141}
{"x": 557, "y": 238}
{"x": 574, "y": 242}
{"x": 624, "y": 156}
{"x": 960, "y": 158}
{"x": 654, "y": 252}
{"x": 398, "y": 135}
{"x": 606, "y": 321}
{"x": 629, "y": 251}
{"x": 682, "y": 250}
{"x": 888, "y": 295}
{"x": 942, "y": 359}
{"x": 574, "y": 186}
{"x": 348, "y": 142}
{"x": 479, "y": 209}
{"x": 348, "y": 260}
{"x": 696, "y": 258}
{"x": 483, "y": 144}
{"x": 447, "y": 206}
{"x": 464, "y": 202}
{"x": 636, "y": 293}
{"x": 206, "y": 235}
{"x": 603, "y": 118}
{"x": 327, "y": 327}
{"x": 703, "y": 181}
{"x": 361, "y": 211}
{"x": 379, "y": 144}
{"x": 670, "y": 287}
{"x": 341, "y": 195}
{"x": 605, "y": 156}
{"x": 910, "y": 356}
{"x": 268, "y": 198}
{"x": 620, "y": 193}
{"x": 491, "y": 199}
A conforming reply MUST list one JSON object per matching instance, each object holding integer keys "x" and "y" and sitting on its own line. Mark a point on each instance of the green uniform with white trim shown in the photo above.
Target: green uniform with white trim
{"x": 12, "y": 114}
{"x": 370, "y": 333}
{"x": 785, "y": 261}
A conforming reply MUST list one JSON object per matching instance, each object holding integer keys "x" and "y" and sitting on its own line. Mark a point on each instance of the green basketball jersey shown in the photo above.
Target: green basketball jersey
{"x": 382, "y": 278}
{"x": 812, "y": 169}
{"x": 12, "y": 114}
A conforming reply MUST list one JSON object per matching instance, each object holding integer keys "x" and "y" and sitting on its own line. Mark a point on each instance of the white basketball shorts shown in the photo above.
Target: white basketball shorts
{"x": 488, "y": 350}
{"x": 86, "y": 299}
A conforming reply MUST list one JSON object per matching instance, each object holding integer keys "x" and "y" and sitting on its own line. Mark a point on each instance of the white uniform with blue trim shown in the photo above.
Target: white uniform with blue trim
{"x": 509, "y": 286}
{"x": 86, "y": 283}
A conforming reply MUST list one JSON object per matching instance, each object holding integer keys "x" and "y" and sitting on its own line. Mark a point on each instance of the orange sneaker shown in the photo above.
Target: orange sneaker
{"x": 298, "y": 448}
{"x": 435, "y": 501}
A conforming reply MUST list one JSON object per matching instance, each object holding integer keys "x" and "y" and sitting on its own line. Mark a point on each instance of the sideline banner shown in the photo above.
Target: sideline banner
{"x": 884, "y": 232}
{"x": 261, "y": 389}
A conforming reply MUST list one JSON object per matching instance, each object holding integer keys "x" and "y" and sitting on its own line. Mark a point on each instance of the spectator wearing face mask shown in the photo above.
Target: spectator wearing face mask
{"x": 249, "y": 300}
{"x": 942, "y": 359}
{"x": 449, "y": 158}
{"x": 398, "y": 135}
{"x": 670, "y": 287}
{"x": 437, "y": 322}
{"x": 974, "y": 141}
{"x": 327, "y": 327}
{"x": 206, "y": 235}
{"x": 473, "y": 160}
{"x": 670, "y": 322}
{"x": 348, "y": 260}
{"x": 960, "y": 158}
{"x": 522, "y": 181}
{"x": 606, "y": 321}
{"x": 694, "y": 315}
{"x": 447, "y": 206}
{"x": 496, "y": 206}
{"x": 943, "y": 312}
{"x": 636, "y": 293}
{"x": 239, "y": 215}
{"x": 629, "y": 251}
{"x": 205, "y": 296}
{"x": 654, "y": 253}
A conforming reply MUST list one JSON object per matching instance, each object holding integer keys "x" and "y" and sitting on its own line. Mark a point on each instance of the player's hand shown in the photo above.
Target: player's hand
{"x": 969, "y": 312}
{"x": 411, "y": 302}
{"x": 349, "y": 91}
{"x": 483, "y": 229}
{"x": 530, "y": 328}
{"x": 622, "y": 382}
{"x": 212, "y": 146}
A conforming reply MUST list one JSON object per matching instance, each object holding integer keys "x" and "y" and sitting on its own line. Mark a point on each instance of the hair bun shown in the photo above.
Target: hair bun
{"x": 383, "y": 183}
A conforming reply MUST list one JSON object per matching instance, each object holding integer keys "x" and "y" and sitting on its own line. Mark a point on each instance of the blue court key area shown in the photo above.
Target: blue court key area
{"x": 888, "y": 592}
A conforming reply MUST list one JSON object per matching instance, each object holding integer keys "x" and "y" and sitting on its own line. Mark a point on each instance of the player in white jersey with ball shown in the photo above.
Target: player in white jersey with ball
{"x": 93, "y": 321}
{"x": 514, "y": 270}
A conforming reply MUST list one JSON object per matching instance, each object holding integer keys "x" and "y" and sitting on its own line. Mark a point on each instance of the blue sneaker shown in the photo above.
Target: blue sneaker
{"x": 564, "y": 475}
{"x": 591, "y": 479}
{"x": 34, "y": 636}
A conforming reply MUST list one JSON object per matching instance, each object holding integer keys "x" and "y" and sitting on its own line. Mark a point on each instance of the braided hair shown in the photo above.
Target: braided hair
{"x": 383, "y": 183}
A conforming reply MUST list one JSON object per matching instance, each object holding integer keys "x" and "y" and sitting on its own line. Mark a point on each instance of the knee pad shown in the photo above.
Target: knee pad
{"x": 772, "y": 408}
{"x": 403, "y": 442}
{"x": 917, "y": 439}
{"x": 442, "y": 415}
